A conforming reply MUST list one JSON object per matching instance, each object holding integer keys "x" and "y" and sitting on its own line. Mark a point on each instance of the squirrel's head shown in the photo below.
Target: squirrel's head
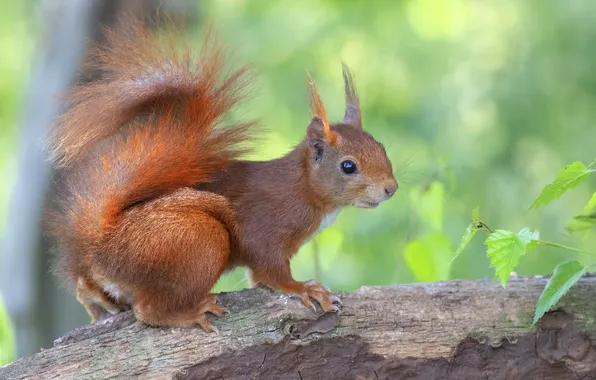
{"x": 348, "y": 165}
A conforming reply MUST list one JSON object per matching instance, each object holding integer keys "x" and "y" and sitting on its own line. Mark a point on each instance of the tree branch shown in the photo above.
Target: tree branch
{"x": 447, "y": 330}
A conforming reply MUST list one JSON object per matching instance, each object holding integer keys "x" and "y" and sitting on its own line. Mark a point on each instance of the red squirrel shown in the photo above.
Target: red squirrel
{"x": 156, "y": 202}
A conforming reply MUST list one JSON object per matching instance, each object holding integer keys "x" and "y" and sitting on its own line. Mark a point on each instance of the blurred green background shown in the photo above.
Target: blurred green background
{"x": 480, "y": 103}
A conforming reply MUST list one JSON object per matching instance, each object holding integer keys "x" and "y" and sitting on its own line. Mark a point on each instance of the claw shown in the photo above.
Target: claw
{"x": 210, "y": 305}
{"x": 306, "y": 301}
{"x": 322, "y": 295}
{"x": 335, "y": 299}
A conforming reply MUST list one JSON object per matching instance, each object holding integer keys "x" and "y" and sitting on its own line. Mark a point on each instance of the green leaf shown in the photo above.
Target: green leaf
{"x": 7, "y": 345}
{"x": 570, "y": 177}
{"x": 582, "y": 222}
{"x": 565, "y": 275}
{"x": 468, "y": 234}
{"x": 530, "y": 238}
{"x": 586, "y": 219}
{"x": 506, "y": 248}
{"x": 429, "y": 204}
{"x": 429, "y": 257}
{"x": 591, "y": 204}
{"x": 476, "y": 214}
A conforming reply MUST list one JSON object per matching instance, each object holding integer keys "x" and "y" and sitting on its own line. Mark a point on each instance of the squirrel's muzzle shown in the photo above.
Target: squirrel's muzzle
{"x": 391, "y": 187}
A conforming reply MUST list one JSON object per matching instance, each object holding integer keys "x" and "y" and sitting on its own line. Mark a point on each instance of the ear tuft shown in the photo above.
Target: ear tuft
{"x": 352, "y": 115}
{"x": 318, "y": 110}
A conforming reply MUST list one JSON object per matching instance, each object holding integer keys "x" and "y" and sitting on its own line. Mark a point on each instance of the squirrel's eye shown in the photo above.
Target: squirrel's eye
{"x": 348, "y": 167}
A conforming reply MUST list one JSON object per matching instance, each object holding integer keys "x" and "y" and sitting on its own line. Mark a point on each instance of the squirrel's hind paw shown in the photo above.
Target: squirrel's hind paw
{"x": 162, "y": 315}
{"x": 210, "y": 305}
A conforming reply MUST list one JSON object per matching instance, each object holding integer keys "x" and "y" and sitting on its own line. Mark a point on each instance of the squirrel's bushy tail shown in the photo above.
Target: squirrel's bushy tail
{"x": 147, "y": 127}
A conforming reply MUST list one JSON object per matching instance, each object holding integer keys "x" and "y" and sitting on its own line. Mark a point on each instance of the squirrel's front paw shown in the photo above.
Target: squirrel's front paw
{"x": 327, "y": 300}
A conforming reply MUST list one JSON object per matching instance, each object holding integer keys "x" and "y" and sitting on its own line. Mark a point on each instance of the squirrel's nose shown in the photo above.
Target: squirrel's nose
{"x": 391, "y": 188}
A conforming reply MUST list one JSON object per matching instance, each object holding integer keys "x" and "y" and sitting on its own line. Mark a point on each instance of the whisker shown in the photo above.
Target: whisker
{"x": 411, "y": 181}
{"x": 413, "y": 173}
{"x": 409, "y": 170}
{"x": 408, "y": 161}
{"x": 403, "y": 168}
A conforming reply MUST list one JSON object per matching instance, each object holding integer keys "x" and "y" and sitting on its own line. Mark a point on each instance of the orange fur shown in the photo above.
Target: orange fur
{"x": 318, "y": 109}
{"x": 156, "y": 203}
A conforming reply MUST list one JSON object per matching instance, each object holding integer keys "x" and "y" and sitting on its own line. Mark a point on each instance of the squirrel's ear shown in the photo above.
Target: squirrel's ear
{"x": 316, "y": 137}
{"x": 352, "y": 115}
{"x": 318, "y": 110}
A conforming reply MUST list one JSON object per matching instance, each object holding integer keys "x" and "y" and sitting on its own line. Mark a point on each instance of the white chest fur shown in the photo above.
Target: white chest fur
{"x": 327, "y": 220}
{"x": 114, "y": 290}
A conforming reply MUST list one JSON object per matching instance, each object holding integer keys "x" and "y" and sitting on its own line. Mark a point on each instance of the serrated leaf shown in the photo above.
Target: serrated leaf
{"x": 506, "y": 248}
{"x": 526, "y": 235}
{"x": 529, "y": 237}
{"x": 429, "y": 257}
{"x": 469, "y": 233}
{"x": 564, "y": 277}
{"x": 570, "y": 177}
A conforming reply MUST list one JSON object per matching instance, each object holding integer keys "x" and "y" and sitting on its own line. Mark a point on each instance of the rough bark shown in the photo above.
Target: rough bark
{"x": 448, "y": 330}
